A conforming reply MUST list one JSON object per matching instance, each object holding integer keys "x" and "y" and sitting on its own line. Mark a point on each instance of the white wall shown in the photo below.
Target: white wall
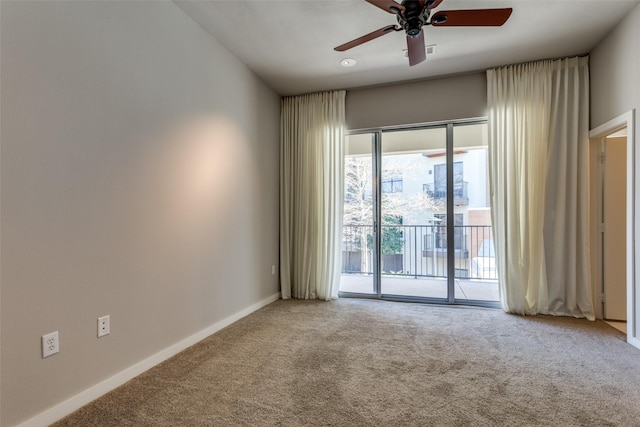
{"x": 139, "y": 179}
{"x": 448, "y": 98}
{"x": 615, "y": 89}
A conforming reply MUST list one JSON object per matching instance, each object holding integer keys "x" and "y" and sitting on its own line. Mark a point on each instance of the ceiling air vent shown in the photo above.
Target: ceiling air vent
{"x": 429, "y": 50}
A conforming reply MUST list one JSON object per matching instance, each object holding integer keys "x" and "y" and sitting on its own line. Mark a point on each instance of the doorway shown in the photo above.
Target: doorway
{"x": 417, "y": 221}
{"x": 613, "y": 171}
{"x": 613, "y": 230}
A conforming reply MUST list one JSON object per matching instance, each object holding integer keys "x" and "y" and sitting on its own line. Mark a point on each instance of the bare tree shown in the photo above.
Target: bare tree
{"x": 358, "y": 209}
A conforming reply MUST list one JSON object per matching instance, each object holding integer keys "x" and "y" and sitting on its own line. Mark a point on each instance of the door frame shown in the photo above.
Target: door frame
{"x": 376, "y": 153}
{"x": 596, "y": 136}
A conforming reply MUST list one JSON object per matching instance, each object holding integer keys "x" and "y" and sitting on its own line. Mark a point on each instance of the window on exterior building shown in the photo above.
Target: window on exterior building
{"x": 392, "y": 184}
{"x": 458, "y": 231}
{"x": 440, "y": 177}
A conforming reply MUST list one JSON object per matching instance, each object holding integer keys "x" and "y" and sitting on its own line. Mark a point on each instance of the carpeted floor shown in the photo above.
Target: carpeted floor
{"x": 357, "y": 362}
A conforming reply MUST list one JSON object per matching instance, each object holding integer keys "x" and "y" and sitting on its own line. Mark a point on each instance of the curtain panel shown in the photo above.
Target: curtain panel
{"x": 311, "y": 191}
{"x": 538, "y": 161}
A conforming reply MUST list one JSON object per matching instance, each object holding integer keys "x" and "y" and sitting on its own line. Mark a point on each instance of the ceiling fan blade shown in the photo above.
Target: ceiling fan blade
{"x": 367, "y": 37}
{"x": 416, "y": 50}
{"x": 471, "y": 18}
{"x": 388, "y": 5}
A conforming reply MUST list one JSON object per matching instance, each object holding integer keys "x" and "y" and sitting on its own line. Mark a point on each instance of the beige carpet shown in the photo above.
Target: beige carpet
{"x": 374, "y": 363}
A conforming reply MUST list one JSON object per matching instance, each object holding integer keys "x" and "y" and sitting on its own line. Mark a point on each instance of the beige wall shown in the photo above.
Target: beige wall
{"x": 615, "y": 89}
{"x": 139, "y": 177}
{"x": 614, "y": 71}
{"x": 434, "y": 100}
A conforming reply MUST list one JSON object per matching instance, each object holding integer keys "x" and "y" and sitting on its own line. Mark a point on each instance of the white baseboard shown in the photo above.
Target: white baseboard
{"x": 67, "y": 407}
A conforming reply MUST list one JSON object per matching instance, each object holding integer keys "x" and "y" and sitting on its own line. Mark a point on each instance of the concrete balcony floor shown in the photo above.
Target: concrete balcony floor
{"x": 469, "y": 289}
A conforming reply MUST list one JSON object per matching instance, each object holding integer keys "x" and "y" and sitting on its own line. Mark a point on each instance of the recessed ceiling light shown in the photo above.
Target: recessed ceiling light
{"x": 348, "y": 62}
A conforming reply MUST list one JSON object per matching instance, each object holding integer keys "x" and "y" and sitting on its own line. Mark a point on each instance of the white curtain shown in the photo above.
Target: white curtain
{"x": 311, "y": 189}
{"x": 538, "y": 148}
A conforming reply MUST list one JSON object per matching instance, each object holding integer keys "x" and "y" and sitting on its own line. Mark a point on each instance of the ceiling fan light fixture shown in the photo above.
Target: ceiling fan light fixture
{"x": 348, "y": 62}
{"x": 413, "y": 32}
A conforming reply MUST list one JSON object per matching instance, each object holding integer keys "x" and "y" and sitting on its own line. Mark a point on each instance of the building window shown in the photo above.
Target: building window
{"x": 458, "y": 231}
{"x": 392, "y": 184}
{"x": 439, "y": 188}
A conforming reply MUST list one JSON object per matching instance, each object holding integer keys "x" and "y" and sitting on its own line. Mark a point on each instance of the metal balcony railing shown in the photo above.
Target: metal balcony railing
{"x": 420, "y": 250}
{"x": 460, "y": 192}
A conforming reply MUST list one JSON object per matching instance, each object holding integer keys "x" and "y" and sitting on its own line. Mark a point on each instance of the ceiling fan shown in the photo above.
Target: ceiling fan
{"x": 412, "y": 15}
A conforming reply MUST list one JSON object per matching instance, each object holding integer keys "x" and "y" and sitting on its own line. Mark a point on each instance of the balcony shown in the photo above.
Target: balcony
{"x": 465, "y": 289}
{"x": 414, "y": 261}
{"x": 420, "y": 251}
{"x": 460, "y": 192}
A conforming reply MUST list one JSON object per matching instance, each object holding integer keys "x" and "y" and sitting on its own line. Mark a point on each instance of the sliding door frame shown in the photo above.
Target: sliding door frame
{"x": 451, "y": 237}
{"x": 376, "y": 151}
{"x": 377, "y": 212}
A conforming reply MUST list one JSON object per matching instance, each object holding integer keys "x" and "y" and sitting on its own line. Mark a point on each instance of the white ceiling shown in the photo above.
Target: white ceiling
{"x": 289, "y": 43}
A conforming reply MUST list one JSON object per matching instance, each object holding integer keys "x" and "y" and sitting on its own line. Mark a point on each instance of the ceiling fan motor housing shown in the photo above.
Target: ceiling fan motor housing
{"x": 413, "y": 17}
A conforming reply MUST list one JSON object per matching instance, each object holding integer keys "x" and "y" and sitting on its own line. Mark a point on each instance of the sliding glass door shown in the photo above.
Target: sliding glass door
{"x": 358, "y": 237}
{"x": 412, "y": 199}
{"x": 417, "y": 217}
{"x": 475, "y": 273}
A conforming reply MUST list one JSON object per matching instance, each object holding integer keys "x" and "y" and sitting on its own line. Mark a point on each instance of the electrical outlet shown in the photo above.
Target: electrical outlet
{"x": 104, "y": 326}
{"x": 273, "y": 269}
{"x": 50, "y": 344}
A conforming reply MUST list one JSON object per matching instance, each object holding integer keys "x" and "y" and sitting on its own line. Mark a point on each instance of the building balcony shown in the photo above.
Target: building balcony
{"x": 460, "y": 192}
{"x": 420, "y": 251}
